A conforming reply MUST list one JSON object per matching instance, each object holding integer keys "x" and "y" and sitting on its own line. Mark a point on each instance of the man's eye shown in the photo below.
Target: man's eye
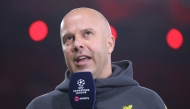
{"x": 68, "y": 40}
{"x": 87, "y": 33}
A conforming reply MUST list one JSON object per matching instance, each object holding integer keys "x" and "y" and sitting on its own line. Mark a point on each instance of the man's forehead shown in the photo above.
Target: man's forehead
{"x": 86, "y": 13}
{"x": 86, "y": 18}
{"x": 79, "y": 18}
{"x": 79, "y": 22}
{"x": 68, "y": 21}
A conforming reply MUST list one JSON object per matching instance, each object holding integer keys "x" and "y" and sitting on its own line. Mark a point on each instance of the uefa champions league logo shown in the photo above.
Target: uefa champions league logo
{"x": 81, "y": 89}
{"x": 81, "y": 82}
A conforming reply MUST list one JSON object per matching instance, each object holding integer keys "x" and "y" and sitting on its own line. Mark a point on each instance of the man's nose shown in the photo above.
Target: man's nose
{"x": 78, "y": 44}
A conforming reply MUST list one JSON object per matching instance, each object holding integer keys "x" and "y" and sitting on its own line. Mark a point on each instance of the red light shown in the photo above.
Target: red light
{"x": 174, "y": 38}
{"x": 114, "y": 32}
{"x": 38, "y": 30}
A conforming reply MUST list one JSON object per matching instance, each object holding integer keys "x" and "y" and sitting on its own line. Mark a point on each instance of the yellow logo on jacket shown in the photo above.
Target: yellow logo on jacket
{"x": 128, "y": 107}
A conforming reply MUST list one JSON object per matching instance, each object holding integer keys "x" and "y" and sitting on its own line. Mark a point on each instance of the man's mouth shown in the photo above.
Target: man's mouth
{"x": 81, "y": 60}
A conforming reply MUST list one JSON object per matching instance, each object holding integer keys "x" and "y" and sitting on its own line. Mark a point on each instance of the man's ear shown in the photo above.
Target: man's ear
{"x": 110, "y": 43}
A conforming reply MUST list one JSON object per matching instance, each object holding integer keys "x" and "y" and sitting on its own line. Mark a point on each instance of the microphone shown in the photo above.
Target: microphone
{"x": 82, "y": 91}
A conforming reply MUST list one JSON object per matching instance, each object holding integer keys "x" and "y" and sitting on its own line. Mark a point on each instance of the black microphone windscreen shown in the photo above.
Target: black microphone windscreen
{"x": 82, "y": 90}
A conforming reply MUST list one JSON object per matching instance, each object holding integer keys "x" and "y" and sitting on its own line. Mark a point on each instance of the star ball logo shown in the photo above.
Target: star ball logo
{"x": 81, "y": 82}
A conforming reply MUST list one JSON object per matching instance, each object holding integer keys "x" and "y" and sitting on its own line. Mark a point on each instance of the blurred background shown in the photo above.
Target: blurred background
{"x": 153, "y": 34}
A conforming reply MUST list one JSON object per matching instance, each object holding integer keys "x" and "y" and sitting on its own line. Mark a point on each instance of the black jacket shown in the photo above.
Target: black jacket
{"x": 118, "y": 91}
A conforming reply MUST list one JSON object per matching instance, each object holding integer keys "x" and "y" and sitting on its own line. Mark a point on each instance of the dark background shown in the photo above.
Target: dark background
{"x": 29, "y": 69}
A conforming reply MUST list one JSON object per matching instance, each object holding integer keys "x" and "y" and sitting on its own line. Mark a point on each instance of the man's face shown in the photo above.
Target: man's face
{"x": 85, "y": 45}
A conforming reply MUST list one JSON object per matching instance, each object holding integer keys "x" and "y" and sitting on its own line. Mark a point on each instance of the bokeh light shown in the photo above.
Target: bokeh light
{"x": 114, "y": 32}
{"x": 174, "y": 38}
{"x": 38, "y": 30}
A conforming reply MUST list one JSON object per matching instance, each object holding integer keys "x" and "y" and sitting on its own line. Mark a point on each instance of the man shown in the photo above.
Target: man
{"x": 87, "y": 46}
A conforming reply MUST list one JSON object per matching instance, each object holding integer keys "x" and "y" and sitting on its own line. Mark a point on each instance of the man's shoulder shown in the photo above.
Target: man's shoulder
{"x": 46, "y": 101}
{"x": 150, "y": 97}
{"x": 145, "y": 92}
{"x": 143, "y": 98}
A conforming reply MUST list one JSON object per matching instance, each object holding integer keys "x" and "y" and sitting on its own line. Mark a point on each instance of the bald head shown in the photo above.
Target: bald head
{"x": 89, "y": 14}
